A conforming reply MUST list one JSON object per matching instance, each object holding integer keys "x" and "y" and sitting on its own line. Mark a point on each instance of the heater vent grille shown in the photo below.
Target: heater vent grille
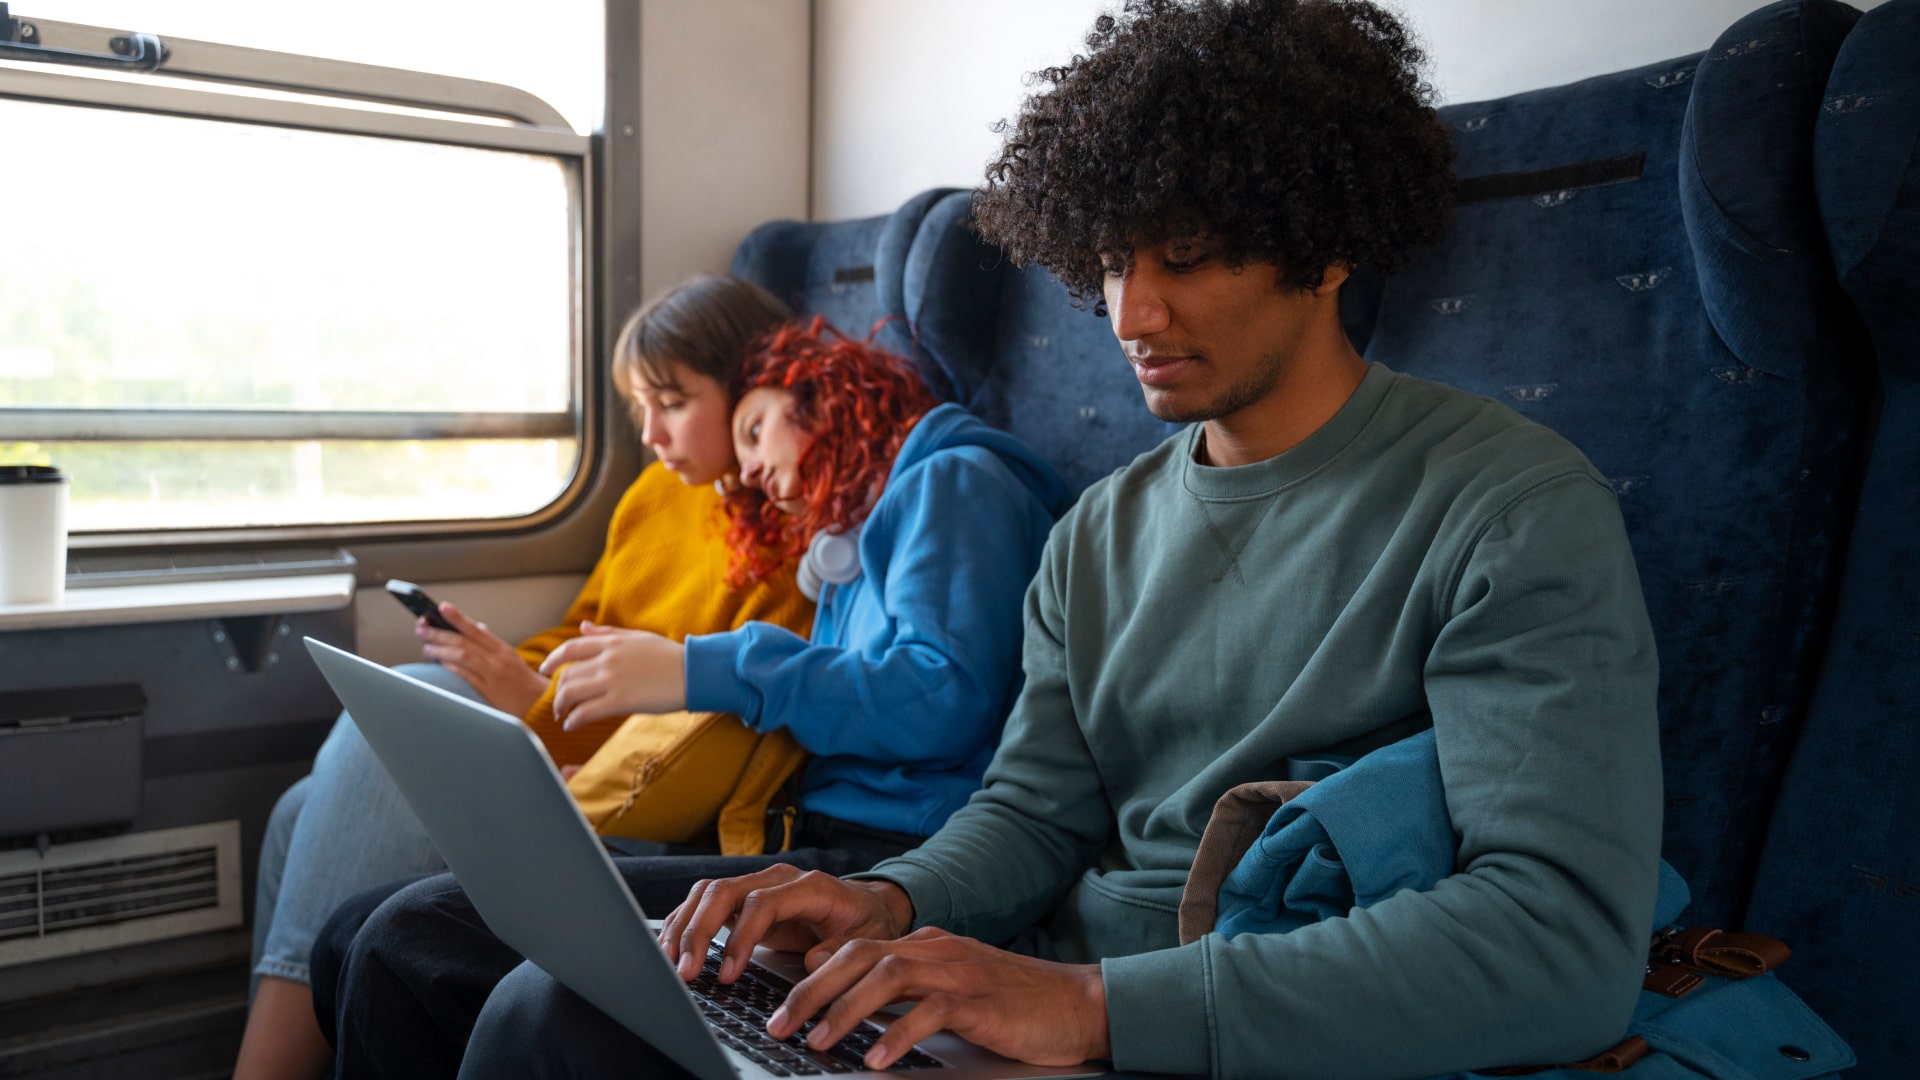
{"x": 99, "y": 894}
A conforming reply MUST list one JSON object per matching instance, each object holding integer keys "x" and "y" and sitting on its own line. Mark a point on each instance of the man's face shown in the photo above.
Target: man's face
{"x": 1205, "y": 340}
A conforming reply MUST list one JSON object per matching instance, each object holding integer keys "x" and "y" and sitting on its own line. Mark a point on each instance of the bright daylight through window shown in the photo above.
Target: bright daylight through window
{"x": 211, "y": 324}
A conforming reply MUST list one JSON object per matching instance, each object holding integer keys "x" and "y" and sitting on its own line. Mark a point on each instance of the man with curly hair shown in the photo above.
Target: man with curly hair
{"x": 1332, "y": 558}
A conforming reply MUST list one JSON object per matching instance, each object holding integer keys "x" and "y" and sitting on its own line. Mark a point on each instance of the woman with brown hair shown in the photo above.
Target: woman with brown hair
{"x": 345, "y": 827}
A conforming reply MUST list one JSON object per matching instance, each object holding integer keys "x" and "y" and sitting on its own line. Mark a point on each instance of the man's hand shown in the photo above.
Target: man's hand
{"x": 481, "y": 657}
{"x": 1031, "y": 1010}
{"x": 782, "y": 908}
{"x": 608, "y": 672}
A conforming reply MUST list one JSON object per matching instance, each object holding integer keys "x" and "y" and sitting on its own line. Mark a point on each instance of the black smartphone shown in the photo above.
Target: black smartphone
{"x": 415, "y": 599}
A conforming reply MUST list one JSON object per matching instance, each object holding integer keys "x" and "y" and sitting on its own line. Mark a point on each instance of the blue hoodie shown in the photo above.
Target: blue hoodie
{"x": 914, "y": 664}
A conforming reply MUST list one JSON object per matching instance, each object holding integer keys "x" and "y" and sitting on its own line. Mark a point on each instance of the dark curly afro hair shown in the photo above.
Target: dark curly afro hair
{"x": 1297, "y": 132}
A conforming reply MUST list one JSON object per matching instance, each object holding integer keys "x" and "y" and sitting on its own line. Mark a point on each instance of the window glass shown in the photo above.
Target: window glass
{"x": 164, "y": 263}
{"x": 551, "y": 49}
{"x": 120, "y": 486}
{"x": 164, "y": 277}
{"x": 176, "y": 262}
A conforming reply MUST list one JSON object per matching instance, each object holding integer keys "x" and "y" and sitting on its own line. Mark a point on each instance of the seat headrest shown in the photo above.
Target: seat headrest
{"x": 1746, "y": 185}
{"x": 950, "y": 291}
{"x": 896, "y": 242}
{"x": 1867, "y": 178}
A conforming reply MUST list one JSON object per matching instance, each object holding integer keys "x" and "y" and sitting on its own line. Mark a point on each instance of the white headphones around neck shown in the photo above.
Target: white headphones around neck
{"x": 831, "y": 559}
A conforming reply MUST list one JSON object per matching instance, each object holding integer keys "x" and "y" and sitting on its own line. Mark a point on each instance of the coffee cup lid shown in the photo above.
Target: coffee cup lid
{"x": 31, "y": 474}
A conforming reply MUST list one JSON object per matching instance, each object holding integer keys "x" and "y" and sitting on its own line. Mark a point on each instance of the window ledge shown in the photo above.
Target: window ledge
{"x": 117, "y": 605}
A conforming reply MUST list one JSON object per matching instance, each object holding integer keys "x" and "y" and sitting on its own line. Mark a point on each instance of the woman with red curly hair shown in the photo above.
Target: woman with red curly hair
{"x": 918, "y": 528}
{"x": 845, "y": 405}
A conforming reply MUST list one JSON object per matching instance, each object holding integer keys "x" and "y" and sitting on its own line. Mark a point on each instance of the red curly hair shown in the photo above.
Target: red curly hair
{"x": 858, "y": 403}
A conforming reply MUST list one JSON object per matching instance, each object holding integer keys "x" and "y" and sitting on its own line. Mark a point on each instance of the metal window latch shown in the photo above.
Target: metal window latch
{"x": 20, "y": 40}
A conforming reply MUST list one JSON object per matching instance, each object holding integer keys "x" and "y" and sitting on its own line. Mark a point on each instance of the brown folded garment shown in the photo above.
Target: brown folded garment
{"x": 1237, "y": 820}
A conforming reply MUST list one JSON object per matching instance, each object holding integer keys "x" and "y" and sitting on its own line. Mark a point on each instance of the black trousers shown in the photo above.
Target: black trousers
{"x": 400, "y": 972}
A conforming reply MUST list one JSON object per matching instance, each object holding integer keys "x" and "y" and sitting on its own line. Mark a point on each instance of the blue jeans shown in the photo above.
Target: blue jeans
{"x": 342, "y": 829}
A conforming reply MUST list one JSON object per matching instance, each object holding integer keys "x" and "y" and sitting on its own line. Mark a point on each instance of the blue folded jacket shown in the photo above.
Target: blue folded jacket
{"x": 1380, "y": 825}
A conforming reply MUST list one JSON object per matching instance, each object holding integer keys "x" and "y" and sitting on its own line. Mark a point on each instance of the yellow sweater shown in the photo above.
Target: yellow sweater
{"x": 664, "y": 570}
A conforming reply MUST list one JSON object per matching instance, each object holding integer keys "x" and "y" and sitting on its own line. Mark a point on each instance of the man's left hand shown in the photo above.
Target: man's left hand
{"x": 608, "y": 672}
{"x": 1035, "y": 1011}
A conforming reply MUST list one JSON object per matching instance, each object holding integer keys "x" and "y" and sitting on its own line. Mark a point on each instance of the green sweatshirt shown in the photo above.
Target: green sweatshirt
{"x": 1427, "y": 558}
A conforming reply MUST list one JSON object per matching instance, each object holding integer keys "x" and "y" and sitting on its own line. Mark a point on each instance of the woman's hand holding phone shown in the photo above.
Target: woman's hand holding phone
{"x": 480, "y": 656}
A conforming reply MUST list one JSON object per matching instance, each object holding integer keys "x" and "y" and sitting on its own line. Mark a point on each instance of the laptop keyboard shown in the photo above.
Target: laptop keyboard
{"x": 738, "y": 1015}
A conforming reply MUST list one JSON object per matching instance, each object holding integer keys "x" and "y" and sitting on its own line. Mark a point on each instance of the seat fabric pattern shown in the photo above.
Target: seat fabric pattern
{"x": 848, "y": 272}
{"x": 1636, "y": 264}
{"x": 1840, "y": 876}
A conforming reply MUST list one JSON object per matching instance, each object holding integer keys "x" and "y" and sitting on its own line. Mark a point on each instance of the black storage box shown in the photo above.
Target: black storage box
{"x": 70, "y": 758}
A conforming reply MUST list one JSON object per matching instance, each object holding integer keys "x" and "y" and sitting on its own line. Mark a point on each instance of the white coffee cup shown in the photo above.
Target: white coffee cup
{"x": 33, "y": 534}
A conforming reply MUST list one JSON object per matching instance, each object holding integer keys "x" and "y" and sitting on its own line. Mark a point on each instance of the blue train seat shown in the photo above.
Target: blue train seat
{"x": 1636, "y": 263}
{"x": 1840, "y": 874}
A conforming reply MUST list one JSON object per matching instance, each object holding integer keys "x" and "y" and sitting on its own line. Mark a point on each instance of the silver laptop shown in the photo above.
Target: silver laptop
{"x": 500, "y": 815}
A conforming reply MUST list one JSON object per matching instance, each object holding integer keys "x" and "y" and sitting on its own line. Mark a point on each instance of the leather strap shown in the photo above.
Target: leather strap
{"x": 1671, "y": 980}
{"x": 1681, "y": 959}
{"x": 1719, "y": 952}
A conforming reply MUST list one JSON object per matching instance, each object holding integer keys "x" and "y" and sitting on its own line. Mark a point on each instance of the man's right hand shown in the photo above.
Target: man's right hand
{"x": 782, "y": 908}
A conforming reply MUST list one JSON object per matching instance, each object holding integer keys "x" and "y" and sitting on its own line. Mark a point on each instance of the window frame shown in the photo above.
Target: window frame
{"x": 380, "y": 102}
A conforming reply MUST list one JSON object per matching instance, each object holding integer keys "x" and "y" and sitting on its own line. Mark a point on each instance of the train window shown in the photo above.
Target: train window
{"x": 550, "y": 50}
{"x": 352, "y": 297}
